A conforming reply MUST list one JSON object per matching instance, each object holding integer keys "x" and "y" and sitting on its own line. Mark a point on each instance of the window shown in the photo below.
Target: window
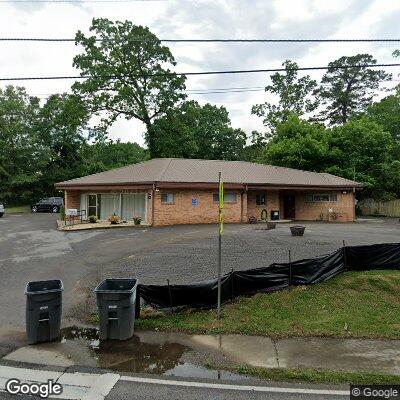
{"x": 260, "y": 199}
{"x": 167, "y": 198}
{"x": 228, "y": 198}
{"x": 318, "y": 198}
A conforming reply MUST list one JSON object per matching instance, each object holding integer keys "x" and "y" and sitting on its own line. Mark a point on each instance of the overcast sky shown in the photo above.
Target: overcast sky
{"x": 201, "y": 19}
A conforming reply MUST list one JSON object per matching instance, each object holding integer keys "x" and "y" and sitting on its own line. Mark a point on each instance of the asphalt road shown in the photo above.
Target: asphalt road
{"x": 32, "y": 249}
{"x": 99, "y": 385}
{"x": 153, "y": 391}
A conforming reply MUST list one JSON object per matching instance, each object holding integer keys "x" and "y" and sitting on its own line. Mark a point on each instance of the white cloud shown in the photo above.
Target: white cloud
{"x": 201, "y": 19}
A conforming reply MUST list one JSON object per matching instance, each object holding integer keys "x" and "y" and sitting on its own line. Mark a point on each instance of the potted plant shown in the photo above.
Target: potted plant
{"x": 92, "y": 219}
{"x": 252, "y": 220}
{"x": 137, "y": 219}
{"x": 114, "y": 219}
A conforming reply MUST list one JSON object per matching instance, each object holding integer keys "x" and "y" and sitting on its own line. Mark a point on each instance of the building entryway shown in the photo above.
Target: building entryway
{"x": 125, "y": 205}
{"x": 289, "y": 206}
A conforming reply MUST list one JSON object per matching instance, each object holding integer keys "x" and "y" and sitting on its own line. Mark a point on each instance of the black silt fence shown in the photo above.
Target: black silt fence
{"x": 276, "y": 276}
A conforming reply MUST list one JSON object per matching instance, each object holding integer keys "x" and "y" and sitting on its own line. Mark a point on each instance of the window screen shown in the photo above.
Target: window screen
{"x": 228, "y": 197}
{"x": 321, "y": 197}
{"x": 260, "y": 199}
{"x": 167, "y": 198}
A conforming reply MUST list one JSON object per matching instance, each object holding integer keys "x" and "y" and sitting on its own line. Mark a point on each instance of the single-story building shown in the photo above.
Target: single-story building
{"x": 168, "y": 191}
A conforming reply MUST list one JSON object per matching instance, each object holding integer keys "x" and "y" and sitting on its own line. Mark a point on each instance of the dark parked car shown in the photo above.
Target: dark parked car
{"x": 52, "y": 204}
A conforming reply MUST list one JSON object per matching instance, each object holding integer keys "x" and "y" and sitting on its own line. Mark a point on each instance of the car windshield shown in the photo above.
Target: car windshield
{"x": 44, "y": 201}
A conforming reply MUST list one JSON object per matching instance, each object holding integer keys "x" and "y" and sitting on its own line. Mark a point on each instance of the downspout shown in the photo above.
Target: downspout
{"x": 153, "y": 191}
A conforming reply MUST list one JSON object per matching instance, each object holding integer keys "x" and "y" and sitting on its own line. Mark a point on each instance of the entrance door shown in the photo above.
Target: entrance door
{"x": 92, "y": 204}
{"x": 289, "y": 206}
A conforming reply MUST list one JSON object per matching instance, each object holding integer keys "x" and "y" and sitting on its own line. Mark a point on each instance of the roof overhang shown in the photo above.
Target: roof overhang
{"x": 198, "y": 185}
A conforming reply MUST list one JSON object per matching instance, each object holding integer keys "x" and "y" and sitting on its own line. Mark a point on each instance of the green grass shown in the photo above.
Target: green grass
{"x": 355, "y": 304}
{"x": 318, "y": 376}
{"x": 18, "y": 209}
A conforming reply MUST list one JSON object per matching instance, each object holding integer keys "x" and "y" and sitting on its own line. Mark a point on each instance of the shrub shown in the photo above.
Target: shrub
{"x": 114, "y": 219}
{"x": 92, "y": 219}
{"x": 137, "y": 219}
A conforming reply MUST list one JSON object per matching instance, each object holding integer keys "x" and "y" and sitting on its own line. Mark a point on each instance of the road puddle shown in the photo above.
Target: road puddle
{"x": 146, "y": 352}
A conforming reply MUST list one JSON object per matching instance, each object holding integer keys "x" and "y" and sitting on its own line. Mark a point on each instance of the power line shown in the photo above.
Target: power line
{"x": 139, "y": 39}
{"x": 245, "y": 71}
{"x": 78, "y": 1}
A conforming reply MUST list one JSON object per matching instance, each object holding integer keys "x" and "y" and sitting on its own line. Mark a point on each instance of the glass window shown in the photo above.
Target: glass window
{"x": 167, "y": 198}
{"x": 260, "y": 199}
{"x": 133, "y": 204}
{"x": 320, "y": 197}
{"x": 228, "y": 197}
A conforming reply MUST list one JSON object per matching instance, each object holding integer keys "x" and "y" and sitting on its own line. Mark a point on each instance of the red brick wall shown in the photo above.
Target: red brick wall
{"x": 72, "y": 199}
{"x": 272, "y": 203}
{"x": 183, "y": 212}
{"x": 344, "y": 207}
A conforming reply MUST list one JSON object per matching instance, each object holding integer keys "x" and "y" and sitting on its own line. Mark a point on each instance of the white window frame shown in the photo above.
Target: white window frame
{"x": 216, "y": 198}
{"x": 331, "y": 196}
{"x": 168, "y": 194}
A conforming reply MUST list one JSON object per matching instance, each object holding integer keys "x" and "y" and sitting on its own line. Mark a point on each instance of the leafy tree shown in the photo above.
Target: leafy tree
{"x": 348, "y": 87}
{"x": 62, "y": 128}
{"x": 128, "y": 74}
{"x": 298, "y": 144}
{"x": 254, "y": 151}
{"x": 195, "y": 131}
{"x": 359, "y": 150}
{"x": 108, "y": 154}
{"x": 21, "y": 153}
{"x": 386, "y": 112}
{"x": 294, "y": 96}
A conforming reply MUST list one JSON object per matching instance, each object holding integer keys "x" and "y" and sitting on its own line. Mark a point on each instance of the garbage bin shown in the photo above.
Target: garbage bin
{"x": 274, "y": 215}
{"x": 116, "y": 300}
{"x": 43, "y": 310}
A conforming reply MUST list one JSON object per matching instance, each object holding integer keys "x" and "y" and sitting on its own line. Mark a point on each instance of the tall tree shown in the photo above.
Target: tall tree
{"x": 386, "y": 112}
{"x": 348, "y": 87}
{"x": 62, "y": 128}
{"x": 128, "y": 74}
{"x": 294, "y": 96}
{"x": 21, "y": 152}
{"x": 359, "y": 150}
{"x": 195, "y": 131}
{"x": 109, "y": 154}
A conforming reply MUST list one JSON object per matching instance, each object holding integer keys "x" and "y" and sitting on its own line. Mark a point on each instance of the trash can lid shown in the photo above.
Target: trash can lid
{"x": 40, "y": 287}
{"x": 117, "y": 285}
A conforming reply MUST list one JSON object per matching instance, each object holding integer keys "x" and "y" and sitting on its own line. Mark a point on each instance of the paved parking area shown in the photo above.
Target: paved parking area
{"x": 32, "y": 249}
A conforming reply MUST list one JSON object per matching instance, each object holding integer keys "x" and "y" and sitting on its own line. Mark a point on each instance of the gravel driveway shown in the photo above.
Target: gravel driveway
{"x": 32, "y": 249}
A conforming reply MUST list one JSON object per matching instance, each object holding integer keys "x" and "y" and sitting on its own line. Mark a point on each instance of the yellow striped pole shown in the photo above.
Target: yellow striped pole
{"x": 220, "y": 230}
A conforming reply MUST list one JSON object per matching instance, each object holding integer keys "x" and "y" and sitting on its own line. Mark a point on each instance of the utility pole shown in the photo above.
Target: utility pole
{"x": 220, "y": 230}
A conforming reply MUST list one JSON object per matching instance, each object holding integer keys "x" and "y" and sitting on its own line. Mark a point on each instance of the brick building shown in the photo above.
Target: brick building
{"x": 170, "y": 191}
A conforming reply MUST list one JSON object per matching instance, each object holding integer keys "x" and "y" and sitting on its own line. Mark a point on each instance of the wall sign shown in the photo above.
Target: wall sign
{"x": 195, "y": 201}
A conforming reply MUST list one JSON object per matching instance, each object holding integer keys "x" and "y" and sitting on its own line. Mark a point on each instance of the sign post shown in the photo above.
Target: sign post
{"x": 220, "y": 230}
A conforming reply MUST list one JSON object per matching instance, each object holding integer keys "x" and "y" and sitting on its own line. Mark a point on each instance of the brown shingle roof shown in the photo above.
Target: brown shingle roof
{"x": 177, "y": 170}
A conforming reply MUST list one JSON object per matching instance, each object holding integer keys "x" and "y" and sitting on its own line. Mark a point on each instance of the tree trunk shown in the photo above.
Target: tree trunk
{"x": 150, "y": 139}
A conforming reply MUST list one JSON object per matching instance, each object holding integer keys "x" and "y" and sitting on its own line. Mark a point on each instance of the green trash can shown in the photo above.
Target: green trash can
{"x": 43, "y": 310}
{"x": 116, "y": 299}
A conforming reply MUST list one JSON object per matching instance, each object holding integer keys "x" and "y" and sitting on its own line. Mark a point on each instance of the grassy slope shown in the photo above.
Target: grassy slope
{"x": 319, "y": 376}
{"x": 356, "y": 304}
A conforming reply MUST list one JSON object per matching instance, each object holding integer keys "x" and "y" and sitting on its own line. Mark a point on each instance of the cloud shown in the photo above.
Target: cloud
{"x": 202, "y": 19}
